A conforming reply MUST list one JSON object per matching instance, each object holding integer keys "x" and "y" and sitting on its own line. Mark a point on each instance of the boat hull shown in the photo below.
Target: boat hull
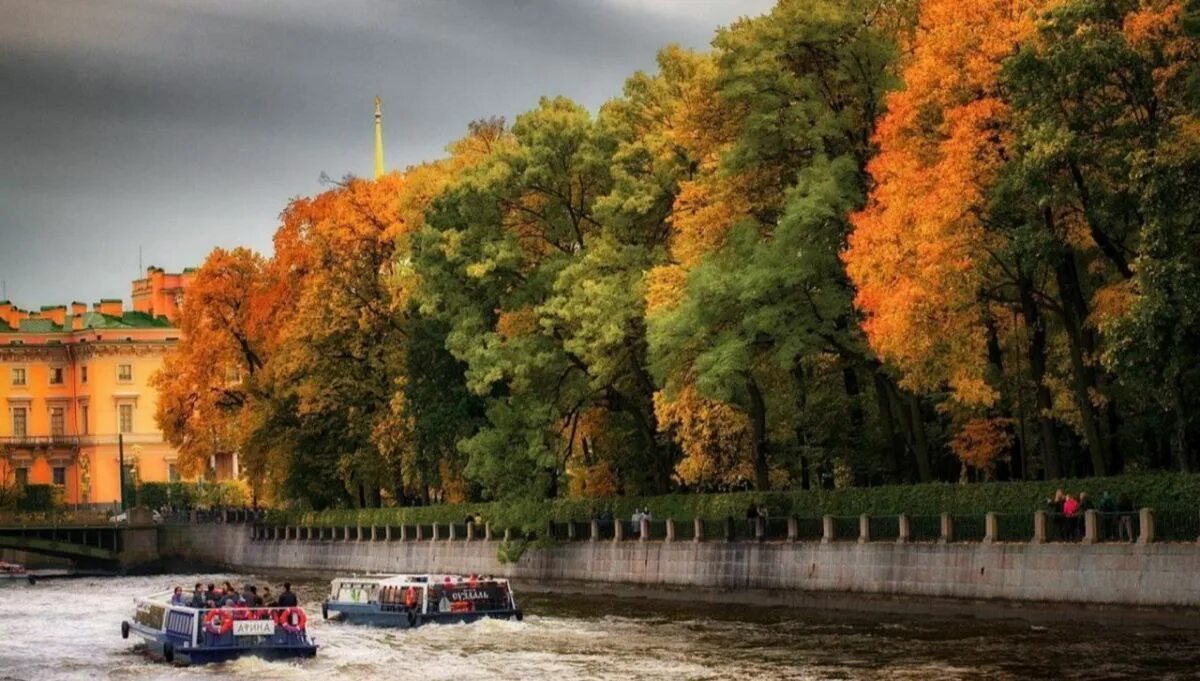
{"x": 178, "y": 650}
{"x": 371, "y": 614}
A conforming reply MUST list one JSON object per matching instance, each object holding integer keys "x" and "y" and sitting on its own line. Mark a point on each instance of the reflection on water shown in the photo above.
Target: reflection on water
{"x": 70, "y": 629}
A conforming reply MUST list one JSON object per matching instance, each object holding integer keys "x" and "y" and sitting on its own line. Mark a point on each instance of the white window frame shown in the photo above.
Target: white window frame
{"x": 125, "y": 380}
{"x": 120, "y": 415}
{"x": 24, "y": 410}
{"x": 12, "y": 376}
{"x": 62, "y": 373}
{"x": 62, "y": 414}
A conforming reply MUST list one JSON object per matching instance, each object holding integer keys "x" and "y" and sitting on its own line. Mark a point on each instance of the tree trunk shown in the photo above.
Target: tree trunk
{"x": 1082, "y": 377}
{"x": 893, "y": 449}
{"x": 758, "y": 421}
{"x": 921, "y": 451}
{"x": 1044, "y": 423}
{"x": 1179, "y": 442}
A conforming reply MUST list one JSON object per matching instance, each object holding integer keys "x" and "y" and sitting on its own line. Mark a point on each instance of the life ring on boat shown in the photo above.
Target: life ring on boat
{"x": 218, "y": 622}
{"x": 293, "y": 620}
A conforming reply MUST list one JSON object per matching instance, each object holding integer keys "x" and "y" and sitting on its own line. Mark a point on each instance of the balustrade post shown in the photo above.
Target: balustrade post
{"x": 420, "y": 532}
{"x": 1039, "y": 527}
{"x": 487, "y": 531}
{"x": 991, "y": 528}
{"x": 760, "y": 528}
{"x": 864, "y": 528}
{"x": 345, "y": 533}
{"x": 436, "y": 532}
{"x": 793, "y": 531}
{"x": 470, "y": 531}
{"x": 827, "y": 529}
{"x": 387, "y": 532}
{"x": 1091, "y": 526}
{"x": 904, "y": 535}
{"x": 571, "y": 530}
{"x": 947, "y": 529}
{"x": 1146, "y": 520}
{"x": 644, "y": 530}
{"x": 507, "y": 535}
{"x": 670, "y": 529}
{"x": 698, "y": 529}
{"x": 594, "y": 529}
{"x": 403, "y": 532}
{"x": 618, "y": 530}
{"x": 729, "y": 533}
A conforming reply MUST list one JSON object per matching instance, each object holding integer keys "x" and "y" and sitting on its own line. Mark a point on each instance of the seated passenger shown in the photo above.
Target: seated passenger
{"x": 287, "y": 599}
{"x": 197, "y": 597}
{"x": 177, "y": 597}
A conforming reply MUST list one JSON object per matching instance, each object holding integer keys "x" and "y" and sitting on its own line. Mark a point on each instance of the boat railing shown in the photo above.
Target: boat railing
{"x": 247, "y": 622}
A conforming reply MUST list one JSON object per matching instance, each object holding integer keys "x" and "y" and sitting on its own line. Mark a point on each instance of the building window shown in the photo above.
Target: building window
{"x": 22, "y": 476}
{"x": 19, "y": 421}
{"x": 83, "y": 419}
{"x": 56, "y": 375}
{"x": 58, "y": 425}
{"x": 18, "y": 376}
{"x": 172, "y": 473}
{"x": 83, "y": 374}
{"x": 126, "y": 418}
{"x": 125, "y": 373}
{"x": 60, "y": 475}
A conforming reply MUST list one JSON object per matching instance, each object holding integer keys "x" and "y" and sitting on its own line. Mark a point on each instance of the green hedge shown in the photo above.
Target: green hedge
{"x": 1158, "y": 490}
{"x": 38, "y": 498}
{"x": 190, "y": 494}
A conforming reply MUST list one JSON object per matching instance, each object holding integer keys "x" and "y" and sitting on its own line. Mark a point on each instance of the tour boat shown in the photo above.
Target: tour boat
{"x": 184, "y": 635}
{"x": 406, "y": 601}
{"x": 15, "y": 571}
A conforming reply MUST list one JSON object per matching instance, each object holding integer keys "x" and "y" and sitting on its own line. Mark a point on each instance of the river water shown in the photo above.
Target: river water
{"x": 69, "y": 629}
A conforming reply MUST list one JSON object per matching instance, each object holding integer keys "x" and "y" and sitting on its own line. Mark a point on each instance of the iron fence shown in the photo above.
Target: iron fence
{"x": 884, "y": 527}
{"x": 969, "y": 527}
{"x": 1179, "y": 524}
{"x": 845, "y": 528}
{"x": 1014, "y": 527}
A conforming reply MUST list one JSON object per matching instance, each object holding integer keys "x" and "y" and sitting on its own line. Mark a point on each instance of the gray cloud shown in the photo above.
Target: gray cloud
{"x": 180, "y": 125}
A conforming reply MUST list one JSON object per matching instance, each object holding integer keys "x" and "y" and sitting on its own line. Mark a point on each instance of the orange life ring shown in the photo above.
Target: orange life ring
{"x": 292, "y": 620}
{"x": 223, "y": 623}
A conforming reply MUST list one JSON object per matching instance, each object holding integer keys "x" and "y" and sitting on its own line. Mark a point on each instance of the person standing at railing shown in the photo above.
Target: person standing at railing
{"x": 1054, "y": 507}
{"x": 1125, "y": 522}
{"x": 636, "y": 522}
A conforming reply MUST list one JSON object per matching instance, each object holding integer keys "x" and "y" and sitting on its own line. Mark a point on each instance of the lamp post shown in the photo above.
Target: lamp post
{"x": 121, "y": 465}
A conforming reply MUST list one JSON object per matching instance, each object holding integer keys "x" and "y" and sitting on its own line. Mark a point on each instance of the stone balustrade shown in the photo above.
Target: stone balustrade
{"x": 1038, "y": 527}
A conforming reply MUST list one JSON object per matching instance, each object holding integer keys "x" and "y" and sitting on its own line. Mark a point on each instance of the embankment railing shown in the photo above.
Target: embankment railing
{"x": 1090, "y": 527}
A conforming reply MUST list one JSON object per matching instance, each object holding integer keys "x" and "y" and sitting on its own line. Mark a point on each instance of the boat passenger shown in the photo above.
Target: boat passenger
{"x": 177, "y": 597}
{"x": 197, "y": 596}
{"x": 210, "y": 594}
{"x": 287, "y": 599}
{"x": 267, "y": 599}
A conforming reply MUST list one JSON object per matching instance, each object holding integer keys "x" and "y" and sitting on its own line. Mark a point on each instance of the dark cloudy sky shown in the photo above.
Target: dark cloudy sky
{"x": 180, "y": 125}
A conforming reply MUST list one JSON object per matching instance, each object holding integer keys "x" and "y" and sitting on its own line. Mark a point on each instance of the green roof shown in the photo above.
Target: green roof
{"x": 129, "y": 320}
{"x": 53, "y": 307}
{"x": 39, "y": 326}
{"x": 5, "y": 328}
{"x": 110, "y": 300}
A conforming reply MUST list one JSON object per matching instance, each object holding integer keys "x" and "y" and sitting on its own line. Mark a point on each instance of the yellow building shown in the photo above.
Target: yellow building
{"x": 73, "y": 380}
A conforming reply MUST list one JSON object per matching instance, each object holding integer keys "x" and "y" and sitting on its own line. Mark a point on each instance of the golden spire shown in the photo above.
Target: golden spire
{"x": 378, "y": 137}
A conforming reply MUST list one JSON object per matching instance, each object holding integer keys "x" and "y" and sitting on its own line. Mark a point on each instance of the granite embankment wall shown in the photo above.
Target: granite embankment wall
{"x": 1157, "y": 574}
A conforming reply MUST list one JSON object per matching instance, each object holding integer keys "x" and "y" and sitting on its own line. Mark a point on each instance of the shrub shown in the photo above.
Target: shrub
{"x": 1158, "y": 490}
{"x": 39, "y": 498}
